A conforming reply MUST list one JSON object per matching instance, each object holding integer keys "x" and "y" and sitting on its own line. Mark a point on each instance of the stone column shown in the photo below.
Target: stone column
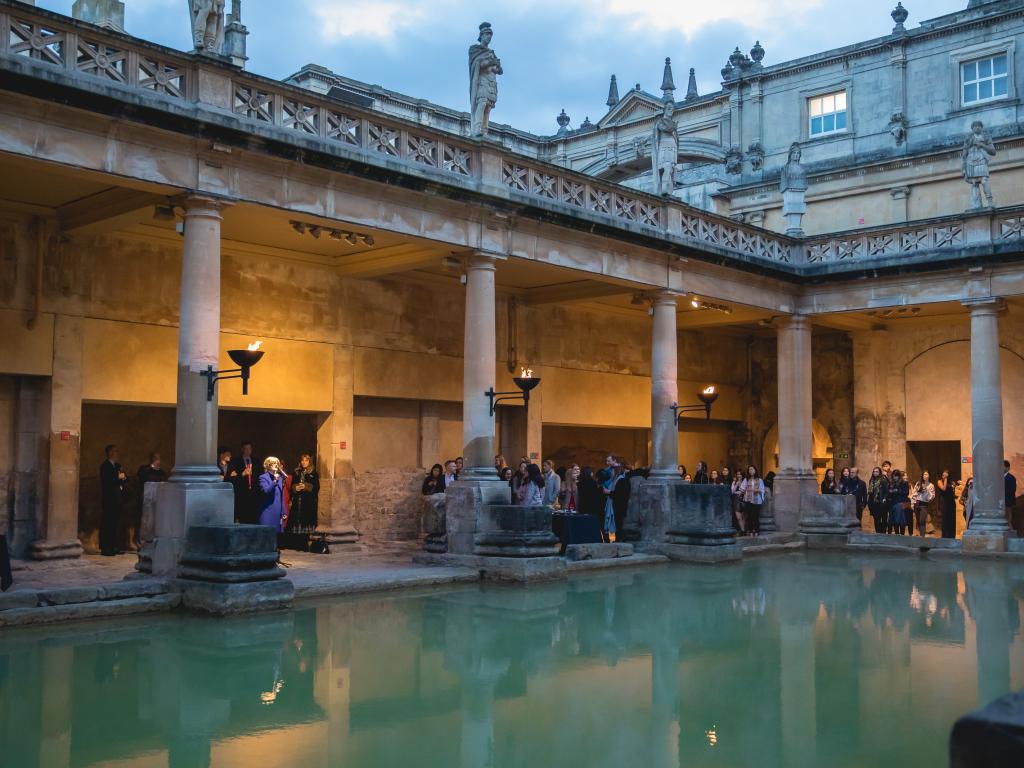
{"x": 61, "y": 528}
{"x": 664, "y": 387}
{"x": 478, "y": 485}
{"x": 795, "y": 481}
{"x": 336, "y": 512}
{"x": 479, "y": 368}
{"x": 194, "y": 493}
{"x": 989, "y": 528}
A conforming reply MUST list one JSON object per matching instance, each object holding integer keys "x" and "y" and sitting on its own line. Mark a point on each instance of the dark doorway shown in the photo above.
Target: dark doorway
{"x": 934, "y": 456}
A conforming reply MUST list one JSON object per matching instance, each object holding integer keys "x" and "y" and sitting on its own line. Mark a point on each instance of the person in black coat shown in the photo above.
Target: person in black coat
{"x": 591, "y": 498}
{"x": 620, "y": 499}
{"x": 246, "y": 479}
{"x": 112, "y": 479}
{"x": 305, "y": 493}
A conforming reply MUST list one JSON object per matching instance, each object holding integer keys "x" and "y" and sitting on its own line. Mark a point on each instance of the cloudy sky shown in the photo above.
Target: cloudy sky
{"x": 555, "y": 54}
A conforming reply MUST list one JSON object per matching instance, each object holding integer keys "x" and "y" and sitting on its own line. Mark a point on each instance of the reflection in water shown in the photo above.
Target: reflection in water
{"x": 798, "y": 661}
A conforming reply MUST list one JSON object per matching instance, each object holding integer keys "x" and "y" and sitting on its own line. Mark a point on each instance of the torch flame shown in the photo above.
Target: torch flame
{"x": 709, "y": 390}
{"x": 527, "y": 373}
{"x": 254, "y": 346}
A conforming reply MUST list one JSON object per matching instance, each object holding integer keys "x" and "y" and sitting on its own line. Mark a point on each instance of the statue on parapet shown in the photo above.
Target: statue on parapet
{"x": 484, "y": 68}
{"x": 793, "y": 186}
{"x": 978, "y": 148}
{"x": 207, "y": 25}
{"x": 665, "y": 151}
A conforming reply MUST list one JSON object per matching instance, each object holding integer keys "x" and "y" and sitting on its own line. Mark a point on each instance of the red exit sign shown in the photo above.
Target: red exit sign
{"x": 65, "y": 435}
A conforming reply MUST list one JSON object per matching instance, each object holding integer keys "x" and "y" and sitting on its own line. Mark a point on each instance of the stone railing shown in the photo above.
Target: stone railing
{"x": 114, "y": 64}
{"x": 54, "y": 48}
{"x": 942, "y": 238}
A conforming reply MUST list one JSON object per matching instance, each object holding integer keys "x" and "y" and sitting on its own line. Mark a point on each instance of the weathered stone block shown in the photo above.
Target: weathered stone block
{"x": 463, "y": 502}
{"x": 221, "y": 598}
{"x": 698, "y": 515}
{"x": 829, "y": 514}
{"x": 19, "y": 599}
{"x": 230, "y": 553}
{"x": 518, "y": 569}
{"x": 180, "y": 506}
{"x": 597, "y": 551}
{"x": 136, "y": 588}
{"x": 990, "y": 737}
{"x": 434, "y": 524}
{"x": 789, "y": 497}
{"x": 986, "y": 542}
{"x": 68, "y": 595}
{"x": 513, "y": 531}
{"x": 699, "y": 553}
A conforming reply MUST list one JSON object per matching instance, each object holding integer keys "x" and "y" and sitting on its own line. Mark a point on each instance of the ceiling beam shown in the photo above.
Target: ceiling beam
{"x": 580, "y": 290}
{"x": 105, "y": 211}
{"x": 388, "y": 261}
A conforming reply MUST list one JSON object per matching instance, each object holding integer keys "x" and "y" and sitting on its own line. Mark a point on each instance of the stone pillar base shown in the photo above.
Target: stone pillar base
{"x": 232, "y": 569}
{"x": 434, "y": 522}
{"x": 675, "y": 512}
{"x": 463, "y": 503}
{"x": 791, "y": 495}
{"x": 340, "y": 535}
{"x": 47, "y": 549}
{"x": 987, "y": 541}
{"x": 516, "y": 569}
{"x": 504, "y": 530}
{"x": 829, "y": 515}
{"x": 181, "y": 506}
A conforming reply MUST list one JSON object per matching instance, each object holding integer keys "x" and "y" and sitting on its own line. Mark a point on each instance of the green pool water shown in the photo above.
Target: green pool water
{"x": 801, "y": 660}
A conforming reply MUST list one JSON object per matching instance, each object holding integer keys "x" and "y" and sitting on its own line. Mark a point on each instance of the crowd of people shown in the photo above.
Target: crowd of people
{"x": 264, "y": 493}
{"x": 267, "y": 494}
{"x": 894, "y": 503}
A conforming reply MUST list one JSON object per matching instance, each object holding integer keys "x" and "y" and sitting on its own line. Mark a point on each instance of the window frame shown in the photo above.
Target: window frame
{"x": 833, "y": 87}
{"x": 981, "y": 52}
{"x": 845, "y": 112}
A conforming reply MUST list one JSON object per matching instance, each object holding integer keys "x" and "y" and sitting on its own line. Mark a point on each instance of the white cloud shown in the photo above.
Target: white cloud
{"x": 691, "y": 16}
{"x": 366, "y": 19}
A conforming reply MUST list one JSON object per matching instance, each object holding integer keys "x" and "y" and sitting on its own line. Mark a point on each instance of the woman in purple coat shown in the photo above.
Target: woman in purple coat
{"x": 274, "y": 506}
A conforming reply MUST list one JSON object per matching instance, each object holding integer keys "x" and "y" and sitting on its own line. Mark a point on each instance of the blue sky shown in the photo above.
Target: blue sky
{"x": 555, "y": 54}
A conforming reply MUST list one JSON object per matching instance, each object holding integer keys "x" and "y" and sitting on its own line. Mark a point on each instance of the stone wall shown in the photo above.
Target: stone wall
{"x": 389, "y": 505}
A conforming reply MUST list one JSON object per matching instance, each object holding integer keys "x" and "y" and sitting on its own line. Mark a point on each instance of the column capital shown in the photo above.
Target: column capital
{"x": 663, "y": 298}
{"x": 199, "y": 204}
{"x": 793, "y": 322}
{"x": 482, "y": 260}
{"x": 990, "y": 305}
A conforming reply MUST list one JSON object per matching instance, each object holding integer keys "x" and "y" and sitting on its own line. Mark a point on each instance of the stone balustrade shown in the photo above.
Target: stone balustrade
{"x": 45, "y": 46}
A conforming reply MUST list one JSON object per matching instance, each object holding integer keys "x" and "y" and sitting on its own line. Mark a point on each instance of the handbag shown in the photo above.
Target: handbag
{"x": 319, "y": 546}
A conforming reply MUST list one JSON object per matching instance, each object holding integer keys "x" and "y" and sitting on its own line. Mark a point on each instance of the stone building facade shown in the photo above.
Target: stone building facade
{"x": 350, "y": 229}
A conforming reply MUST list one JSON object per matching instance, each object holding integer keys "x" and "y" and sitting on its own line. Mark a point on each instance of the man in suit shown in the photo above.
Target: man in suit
{"x": 112, "y": 479}
{"x": 1009, "y": 487}
{"x": 247, "y": 486}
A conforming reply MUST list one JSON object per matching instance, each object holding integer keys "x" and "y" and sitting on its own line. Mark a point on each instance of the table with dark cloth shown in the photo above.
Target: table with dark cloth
{"x": 575, "y": 529}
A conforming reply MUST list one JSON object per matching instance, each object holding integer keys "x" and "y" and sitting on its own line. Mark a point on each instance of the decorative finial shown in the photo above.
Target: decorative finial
{"x": 728, "y": 70}
{"x": 586, "y": 124}
{"x": 613, "y": 93}
{"x": 668, "y": 87}
{"x": 757, "y": 52}
{"x": 737, "y": 58}
{"x": 563, "y": 122}
{"x": 691, "y": 86}
{"x": 899, "y": 15}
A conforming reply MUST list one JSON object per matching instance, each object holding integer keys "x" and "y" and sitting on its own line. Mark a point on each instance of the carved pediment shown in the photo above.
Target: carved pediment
{"x": 635, "y": 105}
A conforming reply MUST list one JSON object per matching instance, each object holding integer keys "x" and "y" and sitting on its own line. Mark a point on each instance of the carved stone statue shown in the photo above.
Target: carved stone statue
{"x": 793, "y": 185}
{"x": 898, "y": 127}
{"x": 484, "y": 68}
{"x": 207, "y": 25}
{"x": 734, "y": 160}
{"x": 978, "y": 148}
{"x": 665, "y": 151}
{"x": 756, "y": 153}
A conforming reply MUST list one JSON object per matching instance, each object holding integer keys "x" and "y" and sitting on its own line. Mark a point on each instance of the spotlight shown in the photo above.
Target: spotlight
{"x": 164, "y": 213}
{"x": 351, "y": 238}
{"x": 315, "y": 232}
{"x": 368, "y": 239}
{"x": 695, "y": 302}
{"x": 335, "y": 234}
{"x": 298, "y": 226}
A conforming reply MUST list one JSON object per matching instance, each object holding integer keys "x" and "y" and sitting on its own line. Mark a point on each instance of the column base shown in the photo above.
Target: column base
{"x": 181, "y": 506}
{"x": 227, "y": 569}
{"x": 793, "y": 493}
{"x": 49, "y": 549}
{"x": 987, "y": 540}
{"x": 675, "y": 512}
{"x": 340, "y": 535}
{"x": 504, "y": 530}
{"x": 463, "y": 502}
{"x": 832, "y": 515}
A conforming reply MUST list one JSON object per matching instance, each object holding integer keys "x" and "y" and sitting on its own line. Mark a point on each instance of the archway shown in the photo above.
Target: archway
{"x": 821, "y": 449}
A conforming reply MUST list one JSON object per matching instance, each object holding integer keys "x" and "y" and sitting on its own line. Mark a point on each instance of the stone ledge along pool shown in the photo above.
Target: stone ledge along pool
{"x": 806, "y": 659}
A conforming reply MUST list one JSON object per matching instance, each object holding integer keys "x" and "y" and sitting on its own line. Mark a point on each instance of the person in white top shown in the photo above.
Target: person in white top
{"x": 921, "y": 497}
{"x": 751, "y": 493}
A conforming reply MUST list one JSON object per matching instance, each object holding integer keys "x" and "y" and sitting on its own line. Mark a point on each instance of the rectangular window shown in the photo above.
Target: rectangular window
{"x": 827, "y": 114}
{"x": 984, "y": 79}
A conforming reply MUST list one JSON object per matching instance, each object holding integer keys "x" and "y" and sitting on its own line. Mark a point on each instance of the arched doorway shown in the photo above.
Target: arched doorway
{"x": 821, "y": 450}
